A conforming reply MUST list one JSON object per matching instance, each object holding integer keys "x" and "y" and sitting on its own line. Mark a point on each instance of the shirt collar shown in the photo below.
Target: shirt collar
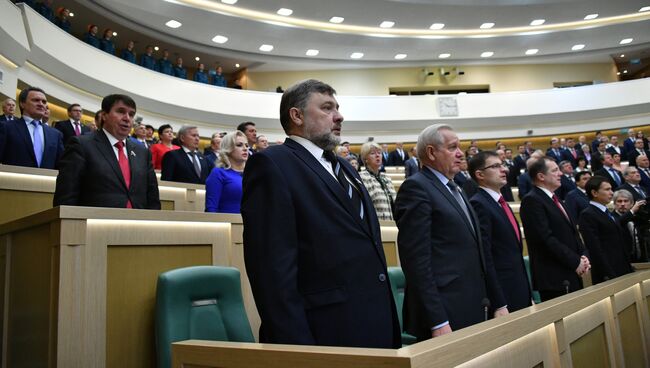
{"x": 598, "y": 205}
{"x": 315, "y": 151}
{"x": 111, "y": 139}
{"x": 548, "y": 192}
{"x": 187, "y": 150}
{"x": 496, "y": 196}
{"x": 443, "y": 179}
{"x": 28, "y": 119}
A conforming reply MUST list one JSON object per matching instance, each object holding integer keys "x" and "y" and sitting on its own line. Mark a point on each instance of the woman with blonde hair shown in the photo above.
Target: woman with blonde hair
{"x": 223, "y": 188}
{"x": 379, "y": 186}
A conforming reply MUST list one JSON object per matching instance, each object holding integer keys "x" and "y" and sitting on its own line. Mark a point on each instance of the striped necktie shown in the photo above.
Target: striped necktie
{"x": 350, "y": 189}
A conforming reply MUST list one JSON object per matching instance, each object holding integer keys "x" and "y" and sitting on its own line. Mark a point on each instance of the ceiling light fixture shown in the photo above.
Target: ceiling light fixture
{"x": 114, "y": 34}
{"x": 487, "y": 54}
{"x": 625, "y": 71}
{"x": 487, "y": 25}
{"x": 537, "y": 22}
{"x": 437, "y": 26}
{"x": 625, "y": 41}
{"x": 173, "y": 24}
{"x": 622, "y": 55}
{"x": 337, "y": 20}
{"x": 387, "y": 24}
{"x": 220, "y": 39}
{"x": 197, "y": 58}
{"x": 71, "y": 14}
{"x": 644, "y": 9}
{"x": 444, "y": 56}
{"x": 312, "y": 52}
{"x": 532, "y": 51}
{"x": 591, "y": 16}
{"x": 230, "y": 2}
{"x": 237, "y": 65}
{"x": 356, "y": 55}
{"x": 618, "y": 73}
{"x": 156, "y": 48}
{"x": 285, "y": 12}
{"x": 400, "y": 56}
{"x": 577, "y": 47}
{"x": 266, "y": 48}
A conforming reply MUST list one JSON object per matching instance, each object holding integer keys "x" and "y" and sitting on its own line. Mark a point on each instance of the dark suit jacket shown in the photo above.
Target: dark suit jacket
{"x": 628, "y": 146}
{"x": 633, "y": 154}
{"x": 566, "y": 186}
{"x": 568, "y": 156}
{"x": 394, "y": 159}
{"x": 442, "y": 258}
{"x": 503, "y": 250}
{"x": 460, "y": 180}
{"x": 645, "y": 181}
{"x": 636, "y": 195}
{"x": 621, "y": 151}
{"x": 16, "y": 147}
{"x": 553, "y": 243}
{"x": 3, "y": 117}
{"x": 595, "y": 161}
{"x": 606, "y": 242}
{"x": 317, "y": 271}
{"x": 89, "y": 175}
{"x": 67, "y": 129}
{"x": 524, "y": 184}
{"x": 557, "y": 157}
{"x": 607, "y": 175}
{"x": 176, "y": 166}
{"x": 574, "y": 203}
{"x": 411, "y": 167}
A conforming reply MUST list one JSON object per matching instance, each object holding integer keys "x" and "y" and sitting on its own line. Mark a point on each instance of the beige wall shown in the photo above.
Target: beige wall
{"x": 500, "y": 78}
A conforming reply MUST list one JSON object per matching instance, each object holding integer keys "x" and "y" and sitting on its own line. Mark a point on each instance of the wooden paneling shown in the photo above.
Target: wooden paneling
{"x": 167, "y": 205}
{"x": 390, "y": 251}
{"x": 631, "y": 339}
{"x": 591, "y": 349}
{"x": 19, "y": 204}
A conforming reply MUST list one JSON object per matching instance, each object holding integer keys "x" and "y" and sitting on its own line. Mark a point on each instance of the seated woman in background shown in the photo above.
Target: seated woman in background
{"x": 586, "y": 154}
{"x": 158, "y": 150}
{"x": 616, "y": 157}
{"x": 379, "y": 186}
{"x": 582, "y": 165}
{"x": 223, "y": 188}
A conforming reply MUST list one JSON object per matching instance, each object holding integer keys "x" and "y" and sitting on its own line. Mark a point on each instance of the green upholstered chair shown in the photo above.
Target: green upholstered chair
{"x": 536, "y": 296}
{"x": 397, "y": 284}
{"x": 202, "y": 302}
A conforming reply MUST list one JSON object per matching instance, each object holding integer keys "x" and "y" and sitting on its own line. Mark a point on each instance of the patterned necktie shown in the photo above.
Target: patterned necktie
{"x": 617, "y": 179}
{"x": 455, "y": 191}
{"x": 351, "y": 190}
{"x": 640, "y": 191}
{"x": 559, "y": 205}
{"x": 77, "y": 129}
{"x": 38, "y": 143}
{"x": 511, "y": 217}
{"x": 124, "y": 167}
{"x": 195, "y": 162}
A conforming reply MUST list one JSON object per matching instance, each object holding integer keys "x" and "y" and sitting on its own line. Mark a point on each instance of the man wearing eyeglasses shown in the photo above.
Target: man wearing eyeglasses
{"x": 500, "y": 230}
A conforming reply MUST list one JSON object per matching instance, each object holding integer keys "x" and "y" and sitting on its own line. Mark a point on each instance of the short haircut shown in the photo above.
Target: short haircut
{"x": 580, "y": 174}
{"x": 184, "y": 130}
{"x": 366, "y": 148}
{"x": 539, "y": 166}
{"x": 623, "y": 193}
{"x": 628, "y": 170}
{"x": 594, "y": 184}
{"x": 430, "y": 136}
{"x": 161, "y": 129}
{"x": 109, "y": 101}
{"x": 478, "y": 162}
{"x": 22, "y": 97}
{"x": 508, "y": 149}
{"x": 72, "y": 107}
{"x": 601, "y": 158}
{"x": 564, "y": 162}
{"x": 149, "y": 127}
{"x": 215, "y": 135}
{"x": 243, "y": 126}
{"x": 298, "y": 95}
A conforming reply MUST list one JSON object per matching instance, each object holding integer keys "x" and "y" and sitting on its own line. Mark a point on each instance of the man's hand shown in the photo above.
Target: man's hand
{"x": 441, "y": 331}
{"x": 584, "y": 266}
{"x": 501, "y": 312}
{"x": 637, "y": 206}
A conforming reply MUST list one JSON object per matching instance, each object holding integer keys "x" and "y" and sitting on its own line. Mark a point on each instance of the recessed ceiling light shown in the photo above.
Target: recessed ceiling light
{"x": 591, "y": 16}
{"x": 219, "y": 39}
{"x": 400, "y": 56}
{"x": 356, "y": 55}
{"x": 387, "y": 24}
{"x": 437, "y": 26}
{"x": 156, "y": 48}
{"x": 444, "y": 56}
{"x": 487, "y": 54}
{"x": 229, "y": 1}
{"x": 532, "y": 51}
{"x": 625, "y": 41}
{"x": 577, "y": 47}
{"x": 284, "y": 11}
{"x": 537, "y": 22}
{"x": 312, "y": 52}
{"x": 71, "y": 14}
{"x": 622, "y": 55}
{"x": 337, "y": 19}
{"x": 114, "y": 34}
{"x": 197, "y": 58}
{"x": 266, "y": 48}
{"x": 173, "y": 24}
{"x": 618, "y": 73}
{"x": 644, "y": 9}
{"x": 625, "y": 71}
{"x": 237, "y": 65}
{"x": 487, "y": 25}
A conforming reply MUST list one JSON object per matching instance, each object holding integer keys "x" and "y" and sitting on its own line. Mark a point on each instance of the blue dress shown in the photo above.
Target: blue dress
{"x": 223, "y": 191}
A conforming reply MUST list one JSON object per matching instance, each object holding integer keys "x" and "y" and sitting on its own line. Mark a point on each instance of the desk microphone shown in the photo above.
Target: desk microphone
{"x": 486, "y": 304}
{"x": 566, "y": 284}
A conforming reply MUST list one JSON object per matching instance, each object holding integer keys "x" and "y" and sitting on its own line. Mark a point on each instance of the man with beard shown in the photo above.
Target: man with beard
{"x": 313, "y": 248}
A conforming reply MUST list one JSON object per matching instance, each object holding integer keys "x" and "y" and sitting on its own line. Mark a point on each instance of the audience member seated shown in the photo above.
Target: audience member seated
{"x": 602, "y": 234}
{"x": 8, "y": 110}
{"x": 586, "y": 155}
{"x": 151, "y": 140}
{"x": 412, "y": 165}
{"x": 576, "y": 200}
{"x": 147, "y": 60}
{"x": 342, "y": 152}
{"x": 44, "y": 8}
{"x": 106, "y": 43}
{"x": 62, "y": 19}
{"x": 105, "y": 169}
{"x": 567, "y": 182}
{"x": 380, "y": 187}
{"x": 28, "y": 141}
{"x": 91, "y": 36}
{"x": 186, "y": 165}
{"x": 140, "y": 135}
{"x": 398, "y": 156}
{"x": 73, "y": 126}
{"x": 632, "y": 183}
{"x": 212, "y": 153}
{"x": 200, "y": 74}
{"x": 637, "y": 151}
{"x": 354, "y": 163}
{"x": 128, "y": 53}
{"x": 248, "y": 128}
{"x": 581, "y": 165}
{"x": 218, "y": 79}
{"x": 179, "y": 71}
{"x": 596, "y": 142}
{"x": 158, "y": 150}
{"x": 262, "y": 143}
{"x": 223, "y": 188}
{"x": 613, "y": 176}
{"x": 165, "y": 65}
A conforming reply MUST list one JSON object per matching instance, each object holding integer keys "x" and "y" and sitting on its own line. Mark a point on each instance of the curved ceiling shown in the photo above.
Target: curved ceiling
{"x": 248, "y": 24}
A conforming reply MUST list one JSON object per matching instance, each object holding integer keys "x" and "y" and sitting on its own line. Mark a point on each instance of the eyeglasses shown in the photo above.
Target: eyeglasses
{"x": 495, "y": 166}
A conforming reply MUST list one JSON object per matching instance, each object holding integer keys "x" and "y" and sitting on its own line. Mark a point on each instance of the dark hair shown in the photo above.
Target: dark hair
{"x": 564, "y": 162}
{"x": 109, "y": 101}
{"x": 91, "y": 26}
{"x": 97, "y": 115}
{"x": 162, "y": 128}
{"x": 507, "y": 149}
{"x": 107, "y": 30}
{"x": 580, "y": 174}
{"x": 149, "y": 127}
{"x": 478, "y": 162}
{"x": 601, "y": 158}
{"x": 539, "y": 167}
{"x": 297, "y": 96}
{"x": 22, "y": 97}
{"x": 594, "y": 184}
{"x": 243, "y": 126}
{"x": 72, "y": 106}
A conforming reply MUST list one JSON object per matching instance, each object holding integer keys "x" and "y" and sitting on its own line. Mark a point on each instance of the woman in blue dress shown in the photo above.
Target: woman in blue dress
{"x": 223, "y": 188}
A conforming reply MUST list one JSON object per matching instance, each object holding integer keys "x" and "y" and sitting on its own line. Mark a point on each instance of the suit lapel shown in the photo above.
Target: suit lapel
{"x": 549, "y": 202}
{"x": 502, "y": 215}
{"x": 21, "y": 125}
{"x": 189, "y": 164}
{"x": 104, "y": 146}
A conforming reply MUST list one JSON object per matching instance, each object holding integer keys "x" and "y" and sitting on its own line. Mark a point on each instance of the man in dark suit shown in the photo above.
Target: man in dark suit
{"x": 628, "y": 144}
{"x": 384, "y": 155}
{"x": 397, "y": 157}
{"x": 597, "y": 157}
{"x": 613, "y": 176}
{"x": 632, "y": 183}
{"x": 462, "y": 176}
{"x": 73, "y": 127}
{"x": 313, "y": 248}
{"x": 186, "y": 165}
{"x": 499, "y": 230}
{"x": 412, "y": 165}
{"x": 248, "y": 128}
{"x": 604, "y": 237}
{"x": 557, "y": 256}
{"x": 570, "y": 153}
{"x": 643, "y": 164}
{"x": 8, "y": 110}
{"x": 28, "y": 141}
{"x": 576, "y": 200}
{"x": 636, "y": 151}
{"x": 106, "y": 169}
{"x": 567, "y": 182}
{"x": 613, "y": 147}
{"x": 596, "y": 142}
{"x": 554, "y": 150}
{"x": 447, "y": 279}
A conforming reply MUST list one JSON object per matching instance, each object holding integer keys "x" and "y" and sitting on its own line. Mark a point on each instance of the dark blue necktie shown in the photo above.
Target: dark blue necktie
{"x": 617, "y": 179}
{"x": 350, "y": 189}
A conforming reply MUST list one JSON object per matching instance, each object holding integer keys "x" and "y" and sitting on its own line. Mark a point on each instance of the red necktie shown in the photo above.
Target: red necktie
{"x": 124, "y": 167}
{"x": 77, "y": 129}
{"x": 557, "y": 203}
{"x": 573, "y": 152}
{"x": 511, "y": 217}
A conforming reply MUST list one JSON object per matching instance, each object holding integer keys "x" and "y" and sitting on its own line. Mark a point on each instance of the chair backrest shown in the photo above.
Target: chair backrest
{"x": 536, "y": 297}
{"x": 397, "y": 285}
{"x": 202, "y": 302}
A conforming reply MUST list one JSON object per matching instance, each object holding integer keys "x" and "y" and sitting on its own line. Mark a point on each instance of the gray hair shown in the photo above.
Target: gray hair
{"x": 628, "y": 171}
{"x": 227, "y": 146}
{"x": 184, "y": 129}
{"x": 430, "y": 136}
{"x": 623, "y": 193}
{"x": 366, "y": 148}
